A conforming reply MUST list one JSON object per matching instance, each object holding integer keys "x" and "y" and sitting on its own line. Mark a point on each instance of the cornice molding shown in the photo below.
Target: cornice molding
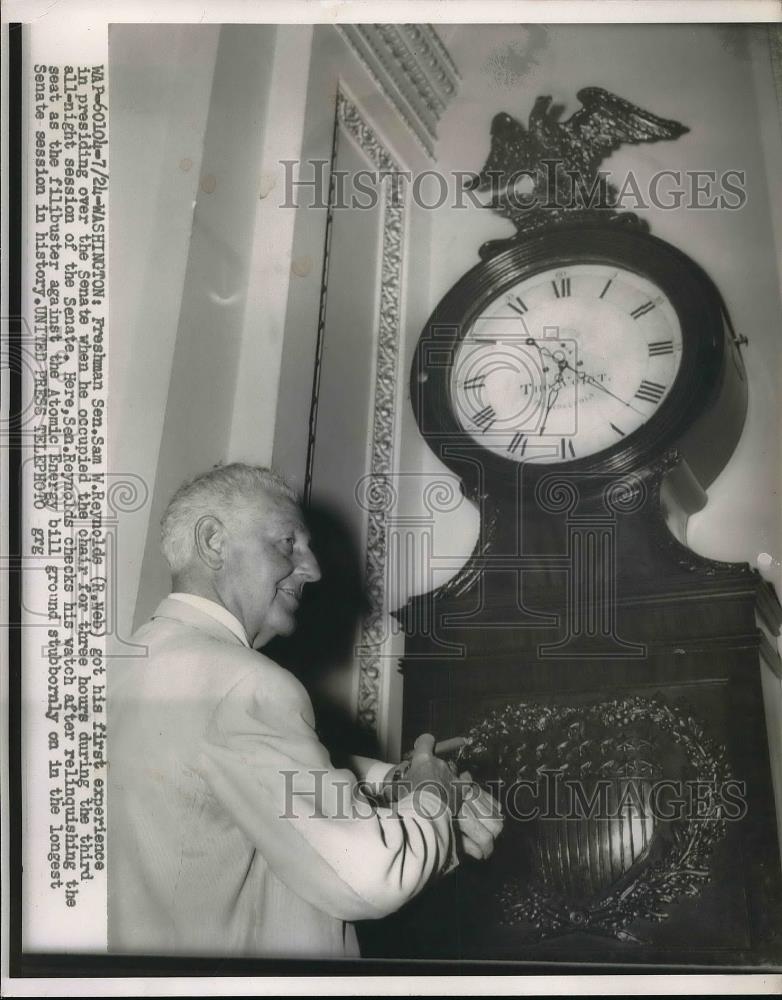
{"x": 412, "y": 67}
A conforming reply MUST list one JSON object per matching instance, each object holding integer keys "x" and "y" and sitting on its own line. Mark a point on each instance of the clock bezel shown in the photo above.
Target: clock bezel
{"x": 689, "y": 290}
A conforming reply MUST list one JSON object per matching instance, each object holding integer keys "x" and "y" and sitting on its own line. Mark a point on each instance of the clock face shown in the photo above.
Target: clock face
{"x": 566, "y": 363}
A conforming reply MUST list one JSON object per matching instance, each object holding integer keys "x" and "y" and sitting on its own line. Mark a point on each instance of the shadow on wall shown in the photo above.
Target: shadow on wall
{"x": 321, "y": 651}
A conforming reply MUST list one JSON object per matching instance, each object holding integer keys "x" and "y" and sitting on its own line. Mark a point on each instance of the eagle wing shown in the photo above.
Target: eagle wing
{"x": 606, "y": 121}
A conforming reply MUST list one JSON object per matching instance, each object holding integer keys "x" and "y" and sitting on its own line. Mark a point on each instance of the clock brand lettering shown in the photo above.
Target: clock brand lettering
{"x": 485, "y": 418}
{"x": 518, "y": 306}
{"x": 660, "y": 347}
{"x": 561, "y": 287}
{"x": 642, "y": 310}
{"x": 651, "y": 392}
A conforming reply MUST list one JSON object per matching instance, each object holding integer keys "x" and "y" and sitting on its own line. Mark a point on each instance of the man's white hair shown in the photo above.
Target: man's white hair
{"x": 225, "y": 491}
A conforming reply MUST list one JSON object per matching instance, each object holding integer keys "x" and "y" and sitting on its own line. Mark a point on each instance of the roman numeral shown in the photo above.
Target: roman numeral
{"x": 485, "y": 418}
{"x": 519, "y": 306}
{"x": 518, "y": 443}
{"x": 660, "y": 347}
{"x": 561, "y": 287}
{"x": 617, "y": 429}
{"x": 566, "y": 448}
{"x": 475, "y": 383}
{"x": 642, "y": 310}
{"x": 607, "y": 286}
{"x": 651, "y": 392}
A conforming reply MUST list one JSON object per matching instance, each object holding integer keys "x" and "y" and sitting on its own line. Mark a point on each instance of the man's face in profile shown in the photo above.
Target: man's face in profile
{"x": 267, "y": 562}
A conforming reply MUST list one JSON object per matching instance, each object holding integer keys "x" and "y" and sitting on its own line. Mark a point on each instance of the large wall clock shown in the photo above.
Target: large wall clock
{"x": 585, "y": 384}
{"x": 595, "y": 348}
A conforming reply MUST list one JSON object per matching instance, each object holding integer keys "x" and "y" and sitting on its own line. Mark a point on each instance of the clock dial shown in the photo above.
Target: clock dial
{"x": 566, "y": 363}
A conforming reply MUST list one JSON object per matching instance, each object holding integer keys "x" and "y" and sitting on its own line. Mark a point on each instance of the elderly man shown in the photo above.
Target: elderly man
{"x": 231, "y": 832}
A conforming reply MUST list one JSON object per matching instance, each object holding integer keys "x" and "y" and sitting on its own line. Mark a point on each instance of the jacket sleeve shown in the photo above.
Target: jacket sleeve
{"x": 370, "y": 771}
{"x": 320, "y": 835}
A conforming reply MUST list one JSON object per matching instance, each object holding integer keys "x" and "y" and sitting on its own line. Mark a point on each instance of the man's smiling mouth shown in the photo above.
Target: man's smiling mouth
{"x": 291, "y": 592}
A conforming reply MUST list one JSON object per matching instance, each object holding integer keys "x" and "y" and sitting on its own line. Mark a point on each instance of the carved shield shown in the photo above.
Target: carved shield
{"x": 596, "y": 855}
{"x": 603, "y": 830}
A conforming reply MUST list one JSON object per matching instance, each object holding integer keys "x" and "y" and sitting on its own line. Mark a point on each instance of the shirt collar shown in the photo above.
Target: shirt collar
{"x": 216, "y": 611}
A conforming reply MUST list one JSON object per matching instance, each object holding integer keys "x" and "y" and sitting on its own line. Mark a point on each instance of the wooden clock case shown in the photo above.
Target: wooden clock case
{"x": 582, "y": 604}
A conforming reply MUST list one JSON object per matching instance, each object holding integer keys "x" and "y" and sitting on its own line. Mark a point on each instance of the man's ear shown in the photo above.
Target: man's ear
{"x": 210, "y": 538}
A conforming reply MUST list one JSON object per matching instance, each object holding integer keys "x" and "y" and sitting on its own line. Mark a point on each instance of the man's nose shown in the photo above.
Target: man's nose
{"x": 308, "y": 566}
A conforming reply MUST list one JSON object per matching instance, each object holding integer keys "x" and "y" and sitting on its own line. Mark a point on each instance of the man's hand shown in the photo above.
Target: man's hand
{"x": 477, "y": 816}
{"x": 479, "y": 821}
{"x": 426, "y": 772}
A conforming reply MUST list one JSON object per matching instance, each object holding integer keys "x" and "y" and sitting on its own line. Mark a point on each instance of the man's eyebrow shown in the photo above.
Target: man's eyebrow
{"x": 285, "y": 523}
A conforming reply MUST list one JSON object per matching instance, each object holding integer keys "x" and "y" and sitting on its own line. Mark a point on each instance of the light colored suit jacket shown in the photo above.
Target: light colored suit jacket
{"x": 230, "y": 832}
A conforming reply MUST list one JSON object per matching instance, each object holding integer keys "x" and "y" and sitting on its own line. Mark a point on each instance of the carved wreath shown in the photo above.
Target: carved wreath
{"x": 651, "y": 886}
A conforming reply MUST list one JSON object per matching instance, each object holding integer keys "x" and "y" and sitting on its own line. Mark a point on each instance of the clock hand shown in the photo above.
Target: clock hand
{"x": 584, "y": 376}
{"x": 593, "y": 381}
{"x": 556, "y": 385}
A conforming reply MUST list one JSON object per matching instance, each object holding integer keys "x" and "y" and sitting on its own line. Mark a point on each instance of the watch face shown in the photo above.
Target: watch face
{"x": 566, "y": 363}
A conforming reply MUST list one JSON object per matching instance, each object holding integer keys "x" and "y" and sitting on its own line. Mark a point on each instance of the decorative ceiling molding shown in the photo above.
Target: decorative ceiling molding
{"x": 412, "y": 67}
